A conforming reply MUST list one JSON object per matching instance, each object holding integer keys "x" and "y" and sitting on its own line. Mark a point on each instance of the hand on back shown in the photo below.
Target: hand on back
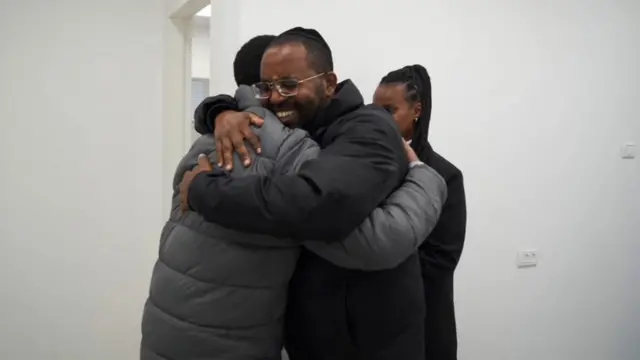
{"x": 203, "y": 166}
{"x": 411, "y": 155}
{"x": 232, "y": 128}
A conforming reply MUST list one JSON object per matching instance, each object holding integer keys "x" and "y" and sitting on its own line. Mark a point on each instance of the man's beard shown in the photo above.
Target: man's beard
{"x": 307, "y": 112}
{"x": 310, "y": 110}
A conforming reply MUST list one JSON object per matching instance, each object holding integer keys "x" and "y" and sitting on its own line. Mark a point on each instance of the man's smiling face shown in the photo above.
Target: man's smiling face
{"x": 285, "y": 66}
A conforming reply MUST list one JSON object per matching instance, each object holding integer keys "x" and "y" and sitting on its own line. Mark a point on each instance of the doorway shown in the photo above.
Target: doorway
{"x": 200, "y": 62}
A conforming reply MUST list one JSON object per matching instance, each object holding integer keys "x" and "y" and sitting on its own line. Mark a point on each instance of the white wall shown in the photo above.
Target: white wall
{"x": 532, "y": 100}
{"x": 200, "y": 52}
{"x": 82, "y": 181}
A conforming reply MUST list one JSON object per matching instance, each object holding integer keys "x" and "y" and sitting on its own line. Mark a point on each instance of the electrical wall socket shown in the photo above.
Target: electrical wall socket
{"x": 527, "y": 258}
{"x": 628, "y": 150}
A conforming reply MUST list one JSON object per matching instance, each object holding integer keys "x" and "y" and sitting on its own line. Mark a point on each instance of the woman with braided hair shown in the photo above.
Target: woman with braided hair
{"x": 406, "y": 94}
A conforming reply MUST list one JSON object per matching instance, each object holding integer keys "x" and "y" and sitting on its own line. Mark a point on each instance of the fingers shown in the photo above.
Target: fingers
{"x": 184, "y": 206}
{"x": 411, "y": 154}
{"x": 184, "y": 190}
{"x": 219, "y": 159}
{"x": 227, "y": 153}
{"x": 255, "y": 120}
{"x": 204, "y": 163}
{"x": 230, "y": 137}
{"x": 250, "y": 136}
{"x": 253, "y": 139}
{"x": 238, "y": 145}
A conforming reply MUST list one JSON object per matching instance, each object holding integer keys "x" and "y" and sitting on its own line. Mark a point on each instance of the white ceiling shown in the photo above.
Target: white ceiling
{"x": 206, "y": 11}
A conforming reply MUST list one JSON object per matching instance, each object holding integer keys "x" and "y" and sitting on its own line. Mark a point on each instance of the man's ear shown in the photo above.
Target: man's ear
{"x": 331, "y": 81}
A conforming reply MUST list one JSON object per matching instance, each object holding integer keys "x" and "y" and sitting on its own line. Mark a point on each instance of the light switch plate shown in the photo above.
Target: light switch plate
{"x": 527, "y": 258}
{"x": 628, "y": 150}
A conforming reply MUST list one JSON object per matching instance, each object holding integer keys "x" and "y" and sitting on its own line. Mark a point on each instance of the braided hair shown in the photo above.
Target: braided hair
{"x": 418, "y": 89}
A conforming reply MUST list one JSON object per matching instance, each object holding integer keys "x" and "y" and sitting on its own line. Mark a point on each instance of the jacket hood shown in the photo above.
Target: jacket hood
{"x": 346, "y": 99}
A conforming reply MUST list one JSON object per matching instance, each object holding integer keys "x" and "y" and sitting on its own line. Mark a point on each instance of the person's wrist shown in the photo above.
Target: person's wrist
{"x": 215, "y": 113}
{"x": 223, "y": 115}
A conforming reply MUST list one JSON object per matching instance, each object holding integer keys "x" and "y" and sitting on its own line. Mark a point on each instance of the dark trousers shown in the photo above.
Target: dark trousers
{"x": 339, "y": 314}
{"x": 440, "y": 326}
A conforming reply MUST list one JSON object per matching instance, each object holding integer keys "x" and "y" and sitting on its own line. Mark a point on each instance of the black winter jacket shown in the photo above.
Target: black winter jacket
{"x": 333, "y": 313}
{"x": 439, "y": 256}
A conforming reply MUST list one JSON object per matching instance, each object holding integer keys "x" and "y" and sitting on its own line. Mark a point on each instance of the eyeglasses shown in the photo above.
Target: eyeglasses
{"x": 285, "y": 87}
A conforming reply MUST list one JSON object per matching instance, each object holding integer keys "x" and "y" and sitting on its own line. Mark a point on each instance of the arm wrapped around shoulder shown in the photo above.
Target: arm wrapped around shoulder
{"x": 204, "y": 118}
{"x": 394, "y": 230}
{"x": 361, "y": 164}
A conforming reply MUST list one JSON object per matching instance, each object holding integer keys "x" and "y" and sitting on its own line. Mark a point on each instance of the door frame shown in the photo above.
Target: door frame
{"x": 176, "y": 86}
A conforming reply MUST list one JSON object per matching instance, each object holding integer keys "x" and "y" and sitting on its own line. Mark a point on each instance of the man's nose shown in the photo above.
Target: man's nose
{"x": 276, "y": 98}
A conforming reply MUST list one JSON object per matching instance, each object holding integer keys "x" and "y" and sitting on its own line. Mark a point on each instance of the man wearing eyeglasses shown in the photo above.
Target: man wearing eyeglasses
{"x": 333, "y": 313}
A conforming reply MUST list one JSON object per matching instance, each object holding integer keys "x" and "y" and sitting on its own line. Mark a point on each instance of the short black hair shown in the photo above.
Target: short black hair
{"x": 417, "y": 83}
{"x": 246, "y": 65}
{"x": 318, "y": 51}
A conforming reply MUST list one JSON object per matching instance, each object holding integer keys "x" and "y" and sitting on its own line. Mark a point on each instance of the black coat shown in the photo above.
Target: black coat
{"x": 439, "y": 256}
{"x": 340, "y": 314}
{"x": 333, "y": 313}
{"x": 361, "y": 163}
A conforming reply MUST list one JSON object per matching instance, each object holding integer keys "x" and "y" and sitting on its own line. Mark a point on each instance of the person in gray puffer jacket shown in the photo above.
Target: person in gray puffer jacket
{"x": 221, "y": 294}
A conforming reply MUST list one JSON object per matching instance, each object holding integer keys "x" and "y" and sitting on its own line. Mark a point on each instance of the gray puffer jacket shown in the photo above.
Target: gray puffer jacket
{"x": 221, "y": 294}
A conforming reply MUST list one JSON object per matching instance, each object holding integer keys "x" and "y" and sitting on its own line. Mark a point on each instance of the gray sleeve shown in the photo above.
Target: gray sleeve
{"x": 310, "y": 150}
{"x": 295, "y": 151}
{"x": 205, "y": 144}
{"x": 394, "y": 230}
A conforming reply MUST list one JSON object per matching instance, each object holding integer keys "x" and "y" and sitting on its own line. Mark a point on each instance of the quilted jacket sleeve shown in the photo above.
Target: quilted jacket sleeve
{"x": 360, "y": 165}
{"x": 205, "y": 114}
{"x": 394, "y": 230}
